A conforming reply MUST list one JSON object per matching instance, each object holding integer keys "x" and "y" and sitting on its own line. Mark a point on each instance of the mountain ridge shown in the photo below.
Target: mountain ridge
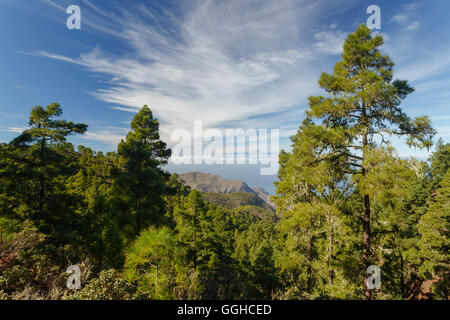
{"x": 208, "y": 182}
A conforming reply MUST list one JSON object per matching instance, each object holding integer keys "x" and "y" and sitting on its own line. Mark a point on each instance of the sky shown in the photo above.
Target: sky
{"x": 230, "y": 64}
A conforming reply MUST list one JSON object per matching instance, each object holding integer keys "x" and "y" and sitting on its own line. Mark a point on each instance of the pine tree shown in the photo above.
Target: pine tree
{"x": 40, "y": 160}
{"x": 44, "y": 134}
{"x": 189, "y": 220}
{"x": 434, "y": 227}
{"x": 141, "y": 183}
{"x": 151, "y": 262}
{"x": 311, "y": 193}
{"x": 254, "y": 250}
{"x": 99, "y": 226}
{"x": 392, "y": 184}
{"x": 440, "y": 163}
{"x": 362, "y": 108}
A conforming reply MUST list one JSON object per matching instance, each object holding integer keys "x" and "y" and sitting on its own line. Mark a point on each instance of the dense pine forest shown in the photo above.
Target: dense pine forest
{"x": 344, "y": 201}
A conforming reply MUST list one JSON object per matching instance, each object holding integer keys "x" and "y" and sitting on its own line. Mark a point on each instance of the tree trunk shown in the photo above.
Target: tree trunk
{"x": 195, "y": 240}
{"x": 41, "y": 196}
{"x": 402, "y": 278}
{"x": 309, "y": 270}
{"x": 138, "y": 216}
{"x": 366, "y": 215}
{"x": 330, "y": 257}
{"x": 42, "y": 163}
{"x": 366, "y": 244}
{"x": 156, "y": 283}
{"x": 101, "y": 245}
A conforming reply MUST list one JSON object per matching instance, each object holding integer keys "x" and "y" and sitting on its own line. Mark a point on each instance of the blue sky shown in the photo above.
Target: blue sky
{"x": 231, "y": 64}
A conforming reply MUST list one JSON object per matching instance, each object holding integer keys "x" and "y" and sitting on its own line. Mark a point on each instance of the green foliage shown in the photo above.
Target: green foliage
{"x": 26, "y": 270}
{"x": 151, "y": 262}
{"x": 109, "y": 285}
{"x": 235, "y": 199}
{"x": 141, "y": 181}
{"x": 434, "y": 243}
{"x": 344, "y": 200}
{"x": 254, "y": 253}
{"x": 440, "y": 163}
{"x": 37, "y": 164}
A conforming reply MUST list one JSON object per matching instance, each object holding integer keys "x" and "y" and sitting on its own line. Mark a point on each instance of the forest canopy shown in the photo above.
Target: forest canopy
{"x": 345, "y": 201}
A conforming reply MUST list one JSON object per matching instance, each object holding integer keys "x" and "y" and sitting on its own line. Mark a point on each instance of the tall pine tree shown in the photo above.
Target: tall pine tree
{"x": 359, "y": 112}
{"x": 141, "y": 183}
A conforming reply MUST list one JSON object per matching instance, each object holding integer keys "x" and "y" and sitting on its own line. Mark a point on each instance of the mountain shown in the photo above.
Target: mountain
{"x": 211, "y": 183}
{"x": 263, "y": 194}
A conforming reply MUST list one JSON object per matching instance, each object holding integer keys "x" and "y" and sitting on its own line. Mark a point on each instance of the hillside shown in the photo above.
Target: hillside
{"x": 235, "y": 200}
{"x": 263, "y": 194}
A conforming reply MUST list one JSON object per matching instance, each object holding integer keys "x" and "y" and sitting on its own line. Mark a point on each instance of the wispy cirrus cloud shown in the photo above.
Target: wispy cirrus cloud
{"x": 440, "y": 118}
{"x": 330, "y": 40}
{"x": 108, "y": 135}
{"x": 25, "y": 88}
{"x": 407, "y": 16}
{"x": 234, "y": 63}
{"x": 419, "y": 58}
{"x": 219, "y": 62}
{"x": 13, "y": 129}
{"x": 443, "y": 131}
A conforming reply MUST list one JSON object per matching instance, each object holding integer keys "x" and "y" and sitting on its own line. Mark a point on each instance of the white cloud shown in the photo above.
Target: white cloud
{"x": 406, "y": 16}
{"x": 13, "y": 129}
{"x": 413, "y": 26}
{"x": 25, "y": 88}
{"x": 107, "y": 136}
{"x": 412, "y": 6}
{"x": 443, "y": 131}
{"x": 219, "y": 62}
{"x": 330, "y": 40}
{"x": 400, "y": 18}
{"x": 440, "y": 118}
{"x": 431, "y": 64}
